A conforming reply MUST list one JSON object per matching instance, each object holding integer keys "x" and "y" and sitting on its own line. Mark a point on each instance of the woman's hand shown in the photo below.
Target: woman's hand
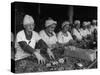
{"x": 37, "y": 50}
{"x": 53, "y": 46}
{"x": 72, "y": 42}
{"x": 39, "y": 58}
{"x": 50, "y": 53}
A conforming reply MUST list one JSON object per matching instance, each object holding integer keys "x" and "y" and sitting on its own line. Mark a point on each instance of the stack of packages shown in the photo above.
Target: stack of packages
{"x": 85, "y": 54}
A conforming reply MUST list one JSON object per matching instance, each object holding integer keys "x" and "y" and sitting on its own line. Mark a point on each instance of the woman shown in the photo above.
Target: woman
{"x": 64, "y": 36}
{"x": 26, "y": 40}
{"x": 49, "y": 37}
{"x": 76, "y": 31}
{"x": 94, "y": 25}
{"x": 84, "y": 30}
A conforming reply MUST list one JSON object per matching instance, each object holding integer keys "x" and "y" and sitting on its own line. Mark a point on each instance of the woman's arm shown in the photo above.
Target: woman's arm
{"x": 26, "y": 47}
{"x": 41, "y": 45}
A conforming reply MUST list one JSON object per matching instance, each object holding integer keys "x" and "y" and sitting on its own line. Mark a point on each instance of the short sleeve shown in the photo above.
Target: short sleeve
{"x": 74, "y": 32}
{"x": 59, "y": 37}
{"x": 43, "y": 36}
{"x": 19, "y": 37}
{"x": 70, "y": 36}
{"x": 55, "y": 37}
{"x": 37, "y": 37}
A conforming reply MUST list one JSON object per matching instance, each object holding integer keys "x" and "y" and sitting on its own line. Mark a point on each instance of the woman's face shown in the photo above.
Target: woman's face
{"x": 29, "y": 27}
{"x": 66, "y": 27}
{"x": 78, "y": 26}
{"x": 51, "y": 28}
{"x": 89, "y": 26}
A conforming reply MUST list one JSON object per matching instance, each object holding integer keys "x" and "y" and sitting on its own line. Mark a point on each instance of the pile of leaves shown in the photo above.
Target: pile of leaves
{"x": 60, "y": 63}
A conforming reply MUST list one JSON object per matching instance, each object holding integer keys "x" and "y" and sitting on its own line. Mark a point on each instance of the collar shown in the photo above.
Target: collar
{"x": 28, "y": 36}
{"x": 49, "y": 34}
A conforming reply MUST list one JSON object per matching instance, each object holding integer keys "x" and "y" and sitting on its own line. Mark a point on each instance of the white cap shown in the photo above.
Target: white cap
{"x": 89, "y": 22}
{"x": 77, "y": 22}
{"x": 94, "y": 21}
{"x": 28, "y": 20}
{"x": 49, "y": 22}
{"x": 85, "y": 23}
{"x": 65, "y": 23}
